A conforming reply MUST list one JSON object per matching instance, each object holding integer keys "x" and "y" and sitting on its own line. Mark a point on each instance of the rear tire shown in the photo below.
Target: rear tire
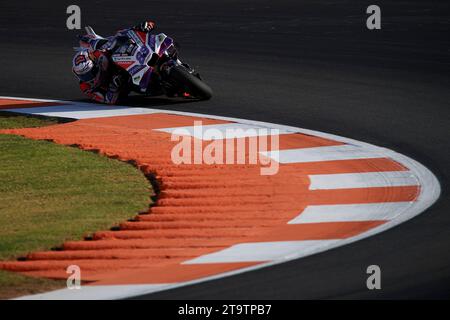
{"x": 190, "y": 83}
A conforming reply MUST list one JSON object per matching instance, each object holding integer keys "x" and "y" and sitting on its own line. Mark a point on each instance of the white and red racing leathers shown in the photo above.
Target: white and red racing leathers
{"x": 103, "y": 88}
{"x": 108, "y": 86}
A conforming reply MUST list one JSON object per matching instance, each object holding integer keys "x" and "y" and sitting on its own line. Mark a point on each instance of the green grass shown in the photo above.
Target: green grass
{"x": 51, "y": 193}
{"x": 10, "y": 120}
{"x": 15, "y": 285}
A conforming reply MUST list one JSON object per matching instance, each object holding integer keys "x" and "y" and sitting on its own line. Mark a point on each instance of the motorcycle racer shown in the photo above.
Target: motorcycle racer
{"x": 98, "y": 78}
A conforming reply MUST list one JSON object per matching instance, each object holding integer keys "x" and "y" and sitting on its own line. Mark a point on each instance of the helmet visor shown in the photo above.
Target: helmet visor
{"x": 88, "y": 76}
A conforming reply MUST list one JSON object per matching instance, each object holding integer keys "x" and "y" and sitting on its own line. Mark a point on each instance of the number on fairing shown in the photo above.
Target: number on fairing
{"x": 142, "y": 54}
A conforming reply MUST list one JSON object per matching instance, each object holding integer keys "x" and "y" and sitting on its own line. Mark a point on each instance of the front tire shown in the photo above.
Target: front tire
{"x": 189, "y": 83}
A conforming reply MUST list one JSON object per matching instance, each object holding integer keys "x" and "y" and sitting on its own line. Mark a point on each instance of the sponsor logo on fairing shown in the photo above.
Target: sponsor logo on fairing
{"x": 136, "y": 39}
{"x": 135, "y": 69}
{"x": 142, "y": 54}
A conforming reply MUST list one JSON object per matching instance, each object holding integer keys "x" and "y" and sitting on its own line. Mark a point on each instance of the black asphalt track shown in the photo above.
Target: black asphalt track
{"x": 311, "y": 64}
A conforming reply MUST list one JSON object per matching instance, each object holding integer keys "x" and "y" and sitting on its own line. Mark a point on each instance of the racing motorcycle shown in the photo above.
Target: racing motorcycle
{"x": 150, "y": 63}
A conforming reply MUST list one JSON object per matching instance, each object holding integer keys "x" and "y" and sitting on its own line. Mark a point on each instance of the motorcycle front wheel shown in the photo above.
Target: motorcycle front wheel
{"x": 189, "y": 83}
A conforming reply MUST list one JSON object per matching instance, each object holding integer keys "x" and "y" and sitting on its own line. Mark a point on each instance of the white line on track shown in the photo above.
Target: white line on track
{"x": 82, "y": 111}
{"x": 362, "y": 180}
{"x": 109, "y": 292}
{"x": 261, "y": 251}
{"x": 351, "y": 212}
{"x": 327, "y": 153}
{"x": 225, "y": 130}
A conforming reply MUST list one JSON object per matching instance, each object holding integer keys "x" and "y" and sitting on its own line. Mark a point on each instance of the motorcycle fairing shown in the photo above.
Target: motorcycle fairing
{"x": 142, "y": 59}
{"x": 136, "y": 56}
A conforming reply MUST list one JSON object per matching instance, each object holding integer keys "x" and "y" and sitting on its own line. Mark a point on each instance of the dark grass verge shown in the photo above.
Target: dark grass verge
{"x": 51, "y": 193}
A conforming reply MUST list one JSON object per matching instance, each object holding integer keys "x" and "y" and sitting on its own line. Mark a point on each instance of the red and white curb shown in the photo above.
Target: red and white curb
{"x": 274, "y": 252}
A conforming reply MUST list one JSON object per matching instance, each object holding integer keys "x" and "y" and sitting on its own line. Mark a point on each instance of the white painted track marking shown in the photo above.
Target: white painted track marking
{"x": 327, "y": 153}
{"x": 351, "y": 212}
{"x": 260, "y": 251}
{"x": 83, "y": 111}
{"x": 109, "y": 292}
{"x": 362, "y": 180}
{"x": 225, "y": 130}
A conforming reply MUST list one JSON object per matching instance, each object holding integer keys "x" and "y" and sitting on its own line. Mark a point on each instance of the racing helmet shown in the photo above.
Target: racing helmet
{"x": 84, "y": 66}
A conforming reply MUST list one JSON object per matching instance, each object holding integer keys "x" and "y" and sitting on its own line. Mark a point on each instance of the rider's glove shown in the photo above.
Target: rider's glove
{"x": 146, "y": 26}
{"x": 116, "y": 83}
